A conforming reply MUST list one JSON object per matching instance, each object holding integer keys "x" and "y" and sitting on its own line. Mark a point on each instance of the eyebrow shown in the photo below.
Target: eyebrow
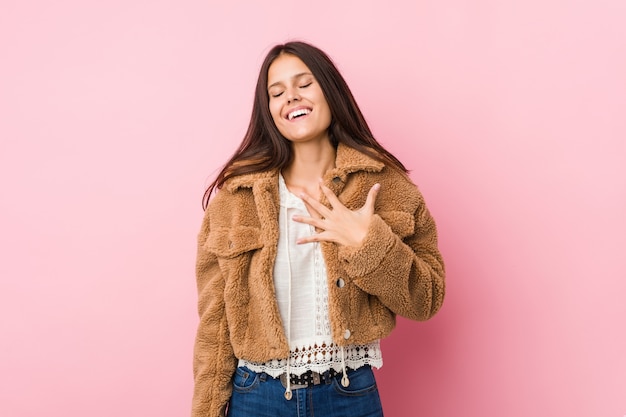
{"x": 293, "y": 78}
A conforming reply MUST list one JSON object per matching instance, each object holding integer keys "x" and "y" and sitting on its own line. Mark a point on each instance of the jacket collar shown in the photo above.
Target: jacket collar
{"x": 347, "y": 161}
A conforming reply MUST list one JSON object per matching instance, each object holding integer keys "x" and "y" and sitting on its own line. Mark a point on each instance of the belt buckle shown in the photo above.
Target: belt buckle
{"x": 283, "y": 380}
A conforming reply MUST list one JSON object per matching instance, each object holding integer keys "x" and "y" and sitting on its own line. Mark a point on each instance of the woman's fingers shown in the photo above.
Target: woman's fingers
{"x": 339, "y": 224}
{"x": 330, "y": 196}
{"x": 368, "y": 207}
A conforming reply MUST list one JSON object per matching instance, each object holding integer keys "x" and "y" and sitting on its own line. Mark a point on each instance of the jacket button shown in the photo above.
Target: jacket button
{"x": 346, "y": 334}
{"x": 340, "y": 283}
{"x": 337, "y": 180}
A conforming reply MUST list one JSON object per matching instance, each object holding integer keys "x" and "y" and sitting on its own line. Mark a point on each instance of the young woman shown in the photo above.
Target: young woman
{"x": 313, "y": 240}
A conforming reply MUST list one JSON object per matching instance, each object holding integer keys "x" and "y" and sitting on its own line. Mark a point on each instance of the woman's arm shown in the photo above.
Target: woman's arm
{"x": 407, "y": 275}
{"x": 214, "y": 361}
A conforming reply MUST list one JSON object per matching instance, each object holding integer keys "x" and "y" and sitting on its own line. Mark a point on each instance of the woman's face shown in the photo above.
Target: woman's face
{"x": 297, "y": 103}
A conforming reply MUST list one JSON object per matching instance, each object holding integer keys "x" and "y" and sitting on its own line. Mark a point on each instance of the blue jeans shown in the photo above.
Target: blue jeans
{"x": 260, "y": 395}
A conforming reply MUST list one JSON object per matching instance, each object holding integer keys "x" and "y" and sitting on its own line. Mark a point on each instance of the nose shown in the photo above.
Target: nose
{"x": 292, "y": 95}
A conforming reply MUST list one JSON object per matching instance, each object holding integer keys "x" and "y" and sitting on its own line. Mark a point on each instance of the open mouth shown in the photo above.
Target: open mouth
{"x": 298, "y": 113}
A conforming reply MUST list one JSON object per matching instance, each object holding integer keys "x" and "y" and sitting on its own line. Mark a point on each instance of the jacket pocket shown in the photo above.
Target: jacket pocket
{"x": 400, "y": 222}
{"x": 229, "y": 242}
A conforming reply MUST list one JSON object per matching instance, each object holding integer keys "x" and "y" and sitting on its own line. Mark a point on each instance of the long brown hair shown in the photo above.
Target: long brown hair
{"x": 264, "y": 148}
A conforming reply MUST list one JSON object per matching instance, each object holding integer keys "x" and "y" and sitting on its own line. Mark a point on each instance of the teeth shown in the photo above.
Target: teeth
{"x": 297, "y": 113}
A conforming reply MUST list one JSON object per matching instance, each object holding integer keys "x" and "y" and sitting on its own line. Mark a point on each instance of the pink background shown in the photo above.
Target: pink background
{"x": 511, "y": 115}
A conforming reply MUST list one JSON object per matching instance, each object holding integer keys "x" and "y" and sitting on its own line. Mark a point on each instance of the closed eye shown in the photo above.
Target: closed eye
{"x": 277, "y": 94}
{"x": 306, "y": 85}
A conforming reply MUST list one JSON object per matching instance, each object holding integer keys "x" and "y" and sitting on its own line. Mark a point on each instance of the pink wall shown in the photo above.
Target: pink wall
{"x": 114, "y": 114}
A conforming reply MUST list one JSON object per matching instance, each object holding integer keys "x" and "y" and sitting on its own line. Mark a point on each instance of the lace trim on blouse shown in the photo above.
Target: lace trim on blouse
{"x": 320, "y": 358}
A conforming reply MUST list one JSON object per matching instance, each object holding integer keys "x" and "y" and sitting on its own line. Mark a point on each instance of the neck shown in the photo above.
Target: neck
{"x": 310, "y": 162}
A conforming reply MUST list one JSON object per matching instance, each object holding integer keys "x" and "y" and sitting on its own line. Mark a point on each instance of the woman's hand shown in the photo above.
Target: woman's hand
{"x": 338, "y": 224}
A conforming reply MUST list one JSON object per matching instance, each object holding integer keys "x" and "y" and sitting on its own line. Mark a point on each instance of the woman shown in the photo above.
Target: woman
{"x": 314, "y": 242}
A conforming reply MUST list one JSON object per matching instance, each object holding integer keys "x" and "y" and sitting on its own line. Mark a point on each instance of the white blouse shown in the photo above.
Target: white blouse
{"x": 302, "y": 295}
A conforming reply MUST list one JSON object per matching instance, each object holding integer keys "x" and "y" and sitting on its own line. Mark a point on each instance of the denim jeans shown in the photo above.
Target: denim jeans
{"x": 260, "y": 395}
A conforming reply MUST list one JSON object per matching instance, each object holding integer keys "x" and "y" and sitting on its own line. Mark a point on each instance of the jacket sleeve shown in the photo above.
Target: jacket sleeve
{"x": 214, "y": 361}
{"x": 406, "y": 274}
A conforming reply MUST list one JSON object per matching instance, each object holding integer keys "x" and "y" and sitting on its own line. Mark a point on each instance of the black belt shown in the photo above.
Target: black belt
{"x": 309, "y": 378}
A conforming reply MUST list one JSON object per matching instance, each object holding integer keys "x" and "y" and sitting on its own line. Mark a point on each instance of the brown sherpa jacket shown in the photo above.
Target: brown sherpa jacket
{"x": 397, "y": 270}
